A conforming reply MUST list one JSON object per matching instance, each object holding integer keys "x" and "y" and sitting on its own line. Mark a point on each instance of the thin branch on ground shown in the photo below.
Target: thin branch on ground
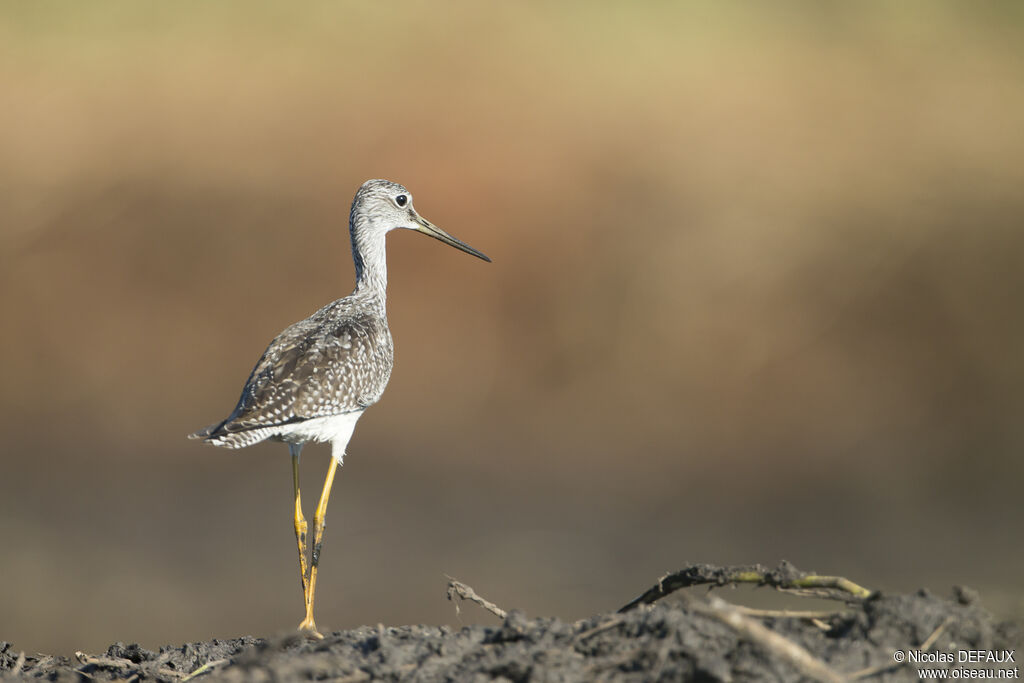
{"x": 930, "y": 640}
{"x": 888, "y": 666}
{"x": 107, "y": 662}
{"x": 19, "y": 664}
{"x": 121, "y": 664}
{"x": 785, "y": 577}
{"x": 799, "y": 658}
{"x": 457, "y": 589}
{"x": 788, "y": 613}
{"x": 614, "y": 621}
{"x": 206, "y": 668}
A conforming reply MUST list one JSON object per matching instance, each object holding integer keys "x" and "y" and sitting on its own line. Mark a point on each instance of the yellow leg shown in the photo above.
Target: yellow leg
{"x": 319, "y": 522}
{"x": 300, "y": 524}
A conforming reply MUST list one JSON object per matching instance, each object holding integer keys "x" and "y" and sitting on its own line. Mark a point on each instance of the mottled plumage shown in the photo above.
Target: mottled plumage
{"x": 318, "y": 376}
{"x": 336, "y": 361}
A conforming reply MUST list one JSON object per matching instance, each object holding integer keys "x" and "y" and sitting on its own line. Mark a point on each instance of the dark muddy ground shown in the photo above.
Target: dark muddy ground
{"x": 684, "y": 637}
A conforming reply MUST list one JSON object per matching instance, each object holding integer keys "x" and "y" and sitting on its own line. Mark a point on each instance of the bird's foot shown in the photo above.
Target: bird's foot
{"x": 308, "y": 629}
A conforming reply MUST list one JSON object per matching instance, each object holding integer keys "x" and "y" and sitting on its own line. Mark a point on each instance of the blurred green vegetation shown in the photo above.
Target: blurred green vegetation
{"x": 756, "y": 295}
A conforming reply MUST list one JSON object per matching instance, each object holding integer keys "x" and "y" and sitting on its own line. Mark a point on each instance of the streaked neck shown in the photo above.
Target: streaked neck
{"x": 370, "y": 259}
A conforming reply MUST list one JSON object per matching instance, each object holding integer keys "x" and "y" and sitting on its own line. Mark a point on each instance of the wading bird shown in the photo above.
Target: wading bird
{"x": 318, "y": 376}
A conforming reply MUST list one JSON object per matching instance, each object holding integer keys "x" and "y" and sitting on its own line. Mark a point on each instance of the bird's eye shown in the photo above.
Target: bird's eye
{"x": 401, "y": 200}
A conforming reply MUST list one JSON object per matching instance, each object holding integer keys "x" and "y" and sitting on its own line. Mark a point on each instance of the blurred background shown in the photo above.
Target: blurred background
{"x": 756, "y": 294}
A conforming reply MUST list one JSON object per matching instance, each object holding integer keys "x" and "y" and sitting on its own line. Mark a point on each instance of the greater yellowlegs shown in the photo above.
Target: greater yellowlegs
{"x": 318, "y": 376}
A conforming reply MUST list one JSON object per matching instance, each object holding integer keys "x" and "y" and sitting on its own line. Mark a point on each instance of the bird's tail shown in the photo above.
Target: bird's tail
{"x": 217, "y": 435}
{"x": 206, "y": 432}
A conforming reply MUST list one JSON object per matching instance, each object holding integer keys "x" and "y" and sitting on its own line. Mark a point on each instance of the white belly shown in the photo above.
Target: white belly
{"x": 336, "y": 428}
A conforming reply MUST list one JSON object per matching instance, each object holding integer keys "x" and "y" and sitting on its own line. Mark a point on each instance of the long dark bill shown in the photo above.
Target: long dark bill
{"x": 428, "y": 228}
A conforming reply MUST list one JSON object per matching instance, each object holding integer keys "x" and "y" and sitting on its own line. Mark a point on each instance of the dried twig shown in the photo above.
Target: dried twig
{"x": 206, "y": 668}
{"x": 122, "y": 664}
{"x": 787, "y": 613}
{"x": 799, "y": 658}
{"x": 930, "y": 640}
{"x": 457, "y": 589}
{"x": 614, "y": 621}
{"x": 784, "y": 577}
{"x": 108, "y": 662}
{"x": 888, "y": 666}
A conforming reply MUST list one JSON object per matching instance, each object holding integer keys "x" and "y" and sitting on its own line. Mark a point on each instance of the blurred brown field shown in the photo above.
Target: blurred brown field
{"x": 756, "y": 294}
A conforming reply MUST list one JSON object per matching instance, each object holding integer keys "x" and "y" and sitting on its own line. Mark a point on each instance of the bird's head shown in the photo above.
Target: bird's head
{"x": 381, "y": 205}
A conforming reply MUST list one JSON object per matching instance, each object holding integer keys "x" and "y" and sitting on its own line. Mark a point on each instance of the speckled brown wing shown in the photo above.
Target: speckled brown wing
{"x": 347, "y": 370}
{"x": 328, "y": 364}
